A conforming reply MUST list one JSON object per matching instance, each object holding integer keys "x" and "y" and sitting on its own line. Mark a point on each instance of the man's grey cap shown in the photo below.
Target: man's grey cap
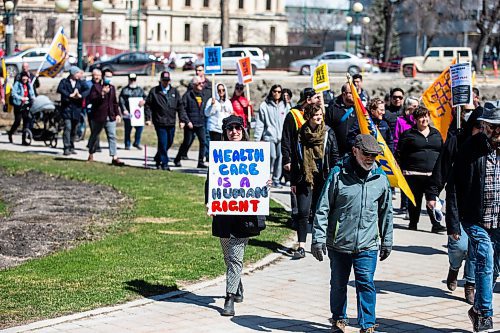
{"x": 491, "y": 112}
{"x": 367, "y": 144}
{"x": 74, "y": 69}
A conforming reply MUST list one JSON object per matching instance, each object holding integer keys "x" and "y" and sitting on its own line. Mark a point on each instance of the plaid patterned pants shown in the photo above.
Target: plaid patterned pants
{"x": 233, "y": 250}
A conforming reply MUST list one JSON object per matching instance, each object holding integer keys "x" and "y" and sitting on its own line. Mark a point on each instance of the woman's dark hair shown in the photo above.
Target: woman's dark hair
{"x": 420, "y": 111}
{"x": 225, "y": 90}
{"x": 242, "y": 89}
{"x": 310, "y": 110}
{"x": 270, "y": 98}
{"x": 286, "y": 91}
{"x": 374, "y": 103}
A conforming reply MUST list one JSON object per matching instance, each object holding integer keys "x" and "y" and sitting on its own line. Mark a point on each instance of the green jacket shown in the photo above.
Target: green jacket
{"x": 353, "y": 214}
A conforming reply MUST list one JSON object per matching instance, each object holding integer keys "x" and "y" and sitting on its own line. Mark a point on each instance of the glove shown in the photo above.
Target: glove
{"x": 317, "y": 250}
{"x": 385, "y": 251}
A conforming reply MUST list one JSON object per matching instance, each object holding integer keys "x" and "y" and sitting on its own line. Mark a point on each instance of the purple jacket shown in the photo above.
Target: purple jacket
{"x": 402, "y": 124}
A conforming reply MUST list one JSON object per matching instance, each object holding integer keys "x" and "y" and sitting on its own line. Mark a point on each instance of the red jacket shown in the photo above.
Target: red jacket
{"x": 240, "y": 108}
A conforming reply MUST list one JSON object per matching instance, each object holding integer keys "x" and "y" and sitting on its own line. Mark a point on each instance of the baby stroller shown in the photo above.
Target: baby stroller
{"x": 45, "y": 121}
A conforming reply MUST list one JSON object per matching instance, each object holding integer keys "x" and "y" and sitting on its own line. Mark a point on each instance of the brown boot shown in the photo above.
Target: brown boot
{"x": 469, "y": 290}
{"x": 451, "y": 280}
{"x": 338, "y": 326}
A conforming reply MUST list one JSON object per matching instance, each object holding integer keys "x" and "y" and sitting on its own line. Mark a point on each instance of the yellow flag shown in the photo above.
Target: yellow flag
{"x": 321, "y": 81}
{"x": 56, "y": 57}
{"x": 437, "y": 98}
{"x": 4, "y": 70}
{"x": 386, "y": 159}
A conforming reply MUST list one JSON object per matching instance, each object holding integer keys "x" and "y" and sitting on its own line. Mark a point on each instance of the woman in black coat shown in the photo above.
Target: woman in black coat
{"x": 317, "y": 152}
{"x": 234, "y": 230}
{"x": 418, "y": 150}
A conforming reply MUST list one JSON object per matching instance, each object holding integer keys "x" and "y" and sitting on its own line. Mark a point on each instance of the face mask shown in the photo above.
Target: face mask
{"x": 107, "y": 81}
{"x": 133, "y": 85}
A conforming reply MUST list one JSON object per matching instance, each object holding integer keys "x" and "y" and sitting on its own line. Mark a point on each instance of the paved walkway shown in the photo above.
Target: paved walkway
{"x": 286, "y": 295}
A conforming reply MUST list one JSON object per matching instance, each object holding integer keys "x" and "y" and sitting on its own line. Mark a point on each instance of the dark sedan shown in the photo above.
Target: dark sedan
{"x": 133, "y": 62}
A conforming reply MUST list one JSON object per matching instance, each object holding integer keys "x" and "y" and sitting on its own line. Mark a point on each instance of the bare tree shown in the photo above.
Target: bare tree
{"x": 43, "y": 28}
{"x": 488, "y": 18}
{"x": 224, "y": 23}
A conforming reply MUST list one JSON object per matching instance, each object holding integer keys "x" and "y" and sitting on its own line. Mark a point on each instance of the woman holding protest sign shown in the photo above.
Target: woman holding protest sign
{"x": 234, "y": 230}
{"x": 219, "y": 108}
{"x": 316, "y": 154}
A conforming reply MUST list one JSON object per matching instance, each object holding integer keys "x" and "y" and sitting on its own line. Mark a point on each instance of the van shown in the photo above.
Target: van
{"x": 435, "y": 60}
{"x": 230, "y": 57}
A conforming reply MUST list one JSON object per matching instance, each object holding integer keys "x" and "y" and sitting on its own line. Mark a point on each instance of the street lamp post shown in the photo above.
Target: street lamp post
{"x": 9, "y": 28}
{"x": 357, "y": 7}
{"x": 348, "y": 20}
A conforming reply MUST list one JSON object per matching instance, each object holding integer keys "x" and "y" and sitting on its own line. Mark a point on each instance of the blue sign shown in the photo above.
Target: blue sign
{"x": 213, "y": 59}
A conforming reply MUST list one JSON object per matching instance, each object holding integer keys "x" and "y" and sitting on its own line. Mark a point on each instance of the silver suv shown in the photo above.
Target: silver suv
{"x": 230, "y": 57}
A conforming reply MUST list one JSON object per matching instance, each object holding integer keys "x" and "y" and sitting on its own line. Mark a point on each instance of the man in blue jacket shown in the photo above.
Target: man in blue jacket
{"x": 353, "y": 213}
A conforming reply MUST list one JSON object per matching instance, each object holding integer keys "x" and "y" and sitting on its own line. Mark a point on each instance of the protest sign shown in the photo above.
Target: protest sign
{"x": 461, "y": 84}
{"x": 136, "y": 111}
{"x": 213, "y": 59}
{"x": 245, "y": 71}
{"x": 237, "y": 178}
{"x": 321, "y": 81}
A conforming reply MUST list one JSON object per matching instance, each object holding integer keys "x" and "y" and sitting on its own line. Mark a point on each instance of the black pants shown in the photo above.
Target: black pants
{"x": 24, "y": 115}
{"x": 418, "y": 185}
{"x": 189, "y": 134}
{"x": 307, "y": 200}
{"x": 215, "y": 136}
{"x": 70, "y": 128}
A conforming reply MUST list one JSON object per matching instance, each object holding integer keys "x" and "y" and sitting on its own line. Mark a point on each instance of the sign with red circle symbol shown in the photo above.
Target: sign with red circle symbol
{"x": 137, "y": 112}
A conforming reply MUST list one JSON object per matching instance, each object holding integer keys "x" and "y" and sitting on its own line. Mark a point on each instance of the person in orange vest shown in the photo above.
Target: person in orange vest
{"x": 289, "y": 141}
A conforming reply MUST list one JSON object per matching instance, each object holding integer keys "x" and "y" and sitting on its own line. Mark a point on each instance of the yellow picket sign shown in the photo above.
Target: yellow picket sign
{"x": 321, "y": 81}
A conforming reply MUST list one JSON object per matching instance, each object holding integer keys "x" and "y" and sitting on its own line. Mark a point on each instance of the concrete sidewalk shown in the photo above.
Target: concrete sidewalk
{"x": 286, "y": 295}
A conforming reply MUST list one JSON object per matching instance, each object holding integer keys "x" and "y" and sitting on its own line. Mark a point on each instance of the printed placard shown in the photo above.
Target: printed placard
{"x": 136, "y": 111}
{"x": 212, "y": 57}
{"x": 321, "y": 81}
{"x": 461, "y": 84}
{"x": 245, "y": 71}
{"x": 238, "y": 175}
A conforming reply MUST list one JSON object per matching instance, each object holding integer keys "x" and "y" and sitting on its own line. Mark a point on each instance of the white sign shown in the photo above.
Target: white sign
{"x": 136, "y": 111}
{"x": 237, "y": 178}
{"x": 461, "y": 84}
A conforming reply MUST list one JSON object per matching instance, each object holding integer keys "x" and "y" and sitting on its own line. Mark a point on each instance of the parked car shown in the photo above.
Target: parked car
{"x": 435, "y": 60}
{"x": 338, "y": 62}
{"x": 230, "y": 57}
{"x": 136, "y": 62}
{"x": 34, "y": 57}
{"x": 181, "y": 59}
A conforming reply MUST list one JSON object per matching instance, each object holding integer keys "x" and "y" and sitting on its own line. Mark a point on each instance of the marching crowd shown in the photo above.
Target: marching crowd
{"x": 336, "y": 183}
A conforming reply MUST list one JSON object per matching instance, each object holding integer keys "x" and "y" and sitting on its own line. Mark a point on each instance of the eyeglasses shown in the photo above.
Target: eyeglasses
{"x": 397, "y": 97}
{"x": 369, "y": 154}
{"x": 277, "y": 91}
{"x": 221, "y": 90}
{"x": 235, "y": 127}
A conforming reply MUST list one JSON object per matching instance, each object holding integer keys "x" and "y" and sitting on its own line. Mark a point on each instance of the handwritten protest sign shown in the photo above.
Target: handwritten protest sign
{"x": 461, "y": 84}
{"x": 238, "y": 175}
{"x": 321, "y": 81}
{"x": 245, "y": 71}
{"x": 136, "y": 111}
{"x": 213, "y": 59}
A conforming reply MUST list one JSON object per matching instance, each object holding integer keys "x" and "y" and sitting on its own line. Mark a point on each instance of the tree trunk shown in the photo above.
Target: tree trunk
{"x": 388, "y": 18}
{"x": 224, "y": 23}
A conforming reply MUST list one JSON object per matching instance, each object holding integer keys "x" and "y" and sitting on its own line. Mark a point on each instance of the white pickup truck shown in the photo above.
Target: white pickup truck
{"x": 435, "y": 60}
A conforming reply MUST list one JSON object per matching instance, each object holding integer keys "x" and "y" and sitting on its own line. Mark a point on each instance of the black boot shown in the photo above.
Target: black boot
{"x": 228, "y": 306}
{"x": 238, "y": 297}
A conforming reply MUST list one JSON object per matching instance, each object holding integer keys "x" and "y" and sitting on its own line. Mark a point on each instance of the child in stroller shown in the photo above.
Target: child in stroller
{"x": 45, "y": 122}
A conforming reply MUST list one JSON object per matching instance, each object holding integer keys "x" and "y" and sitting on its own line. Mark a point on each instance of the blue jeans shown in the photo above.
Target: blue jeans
{"x": 165, "y": 135}
{"x": 458, "y": 251}
{"x": 110, "y": 129}
{"x": 70, "y": 127}
{"x": 128, "y": 132}
{"x": 482, "y": 246}
{"x": 364, "y": 264}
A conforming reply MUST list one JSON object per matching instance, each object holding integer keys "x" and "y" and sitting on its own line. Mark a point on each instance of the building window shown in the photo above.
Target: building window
{"x": 205, "y": 33}
{"x": 187, "y": 32}
{"x": 158, "y": 32}
{"x": 113, "y": 30}
{"x": 206, "y": 3}
{"x": 187, "y": 3}
{"x": 268, "y": 4}
{"x": 72, "y": 29}
{"x": 51, "y": 28}
{"x": 241, "y": 4}
{"x": 272, "y": 36}
{"x": 29, "y": 28}
{"x": 240, "y": 34}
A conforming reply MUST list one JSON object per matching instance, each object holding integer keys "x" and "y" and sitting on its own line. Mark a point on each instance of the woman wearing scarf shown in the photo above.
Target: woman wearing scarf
{"x": 316, "y": 154}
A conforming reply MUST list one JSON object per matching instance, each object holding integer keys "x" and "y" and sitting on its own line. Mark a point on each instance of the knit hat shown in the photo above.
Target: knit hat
{"x": 74, "y": 69}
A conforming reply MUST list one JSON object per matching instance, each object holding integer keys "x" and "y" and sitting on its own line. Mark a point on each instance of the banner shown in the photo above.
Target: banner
{"x": 56, "y": 57}
{"x": 212, "y": 57}
{"x": 321, "y": 81}
{"x": 136, "y": 111}
{"x": 437, "y": 98}
{"x": 461, "y": 84}
{"x": 244, "y": 69}
{"x": 237, "y": 178}
{"x": 386, "y": 159}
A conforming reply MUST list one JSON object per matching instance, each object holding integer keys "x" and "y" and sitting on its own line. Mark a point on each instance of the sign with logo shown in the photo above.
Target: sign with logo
{"x": 245, "y": 71}
{"x": 213, "y": 59}
{"x": 237, "y": 178}
{"x": 321, "y": 81}
{"x": 461, "y": 84}
{"x": 136, "y": 111}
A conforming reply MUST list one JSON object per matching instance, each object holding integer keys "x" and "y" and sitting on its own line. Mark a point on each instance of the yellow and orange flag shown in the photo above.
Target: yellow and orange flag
{"x": 437, "y": 98}
{"x": 56, "y": 57}
{"x": 386, "y": 159}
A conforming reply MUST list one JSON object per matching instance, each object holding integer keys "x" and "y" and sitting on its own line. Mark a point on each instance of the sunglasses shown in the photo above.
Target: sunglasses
{"x": 235, "y": 127}
{"x": 221, "y": 90}
{"x": 239, "y": 88}
{"x": 369, "y": 154}
{"x": 493, "y": 127}
{"x": 397, "y": 97}
{"x": 198, "y": 70}
{"x": 277, "y": 91}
